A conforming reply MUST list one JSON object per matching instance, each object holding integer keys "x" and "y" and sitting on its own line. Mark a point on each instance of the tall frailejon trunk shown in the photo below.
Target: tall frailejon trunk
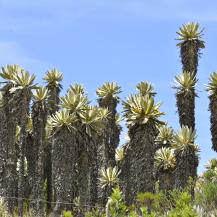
{"x": 10, "y": 173}
{"x": 213, "y": 120}
{"x": 186, "y": 167}
{"x": 109, "y": 141}
{"x": 94, "y": 175}
{"x": 53, "y": 107}
{"x": 124, "y": 171}
{"x": 31, "y": 160}
{"x": 3, "y": 149}
{"x": 166, "y": 180}
{"x": 140, "y": 154}
{"x": 189, "y": 55}
{"x": 39, "y": 117}
{"x": 87, "y": 173}
{"x": 186, "y": 109}
{"x": 64, "y": 158}
{"x": 111, "y": 133}
{"x": 24, "y": 113}
{"x": 190, "y": 46}
{"x": 83, "y": 181}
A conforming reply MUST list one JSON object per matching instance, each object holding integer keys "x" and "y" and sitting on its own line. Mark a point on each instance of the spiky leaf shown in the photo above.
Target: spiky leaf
{"x": 63, "y": 118}
{"x": 93, "y": 119}
{"x": 212, "y": 85}
{"x": 109, "y": 177}
{"x": 139, "y": 109}
{"x": 54, "y": 77}
{"x": 77, "y": 89}
{"x": 189, "y": 32}
{"x": 185, "y": 83}
{"x": 8, "y": 72}
{"x": 212, "y": 164}
{"x": 40, "y": 94}
{"x": 165, "y": 159}
{"x": 108, "y": 89}
{"x": 23, "y": 80}
{"x": 165, "y": 135}
{"x": 146, "y": 89}
{"x": 183, "y": 140}
{"x": 119, "y": 154}
{"x": 74, "y": 102}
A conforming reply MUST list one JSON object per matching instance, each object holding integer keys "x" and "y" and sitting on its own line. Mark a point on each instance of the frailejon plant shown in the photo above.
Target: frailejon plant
{"x": 142, "y": 116}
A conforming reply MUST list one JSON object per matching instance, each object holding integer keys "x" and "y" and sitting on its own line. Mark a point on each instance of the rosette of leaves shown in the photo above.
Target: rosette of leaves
{"x": 165, "y": 136}
{"x": 109, "y": 177}
{"x": 140, "y": 110}
{"x": 185, "y": 98}
{"x": 165, "y": 159}
{"x": 146, "y": 89}
{"x": 53, "y": 77}
{"x": 109, "y": 89}
{"x": 187, "y": 156}
{"x": 212, "y": 90}
{"x": 63, "y": 118}
{"x": 190, "y": 32}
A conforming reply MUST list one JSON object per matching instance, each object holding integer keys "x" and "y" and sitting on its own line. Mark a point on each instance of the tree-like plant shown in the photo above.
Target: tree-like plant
{"x": 146, "y": 89}
{"x": 212, "y": 164}
{"x": 212, "y": 89}
{"x": 186, "y": 152}
{"x": 3, "y": 153}
{"x": 164, "y": 137}
{"x": 165, "y": 163}
{"x": 185, "y": 98}
{"x": 39, "y": 120}
{"x": 53, "y": 80}
{"x": 76, "y": 103}
{"x": 108, "y": 179}
{"x": 190, "y": 37}
{"x": 11, "y": 110}
{"x": 64, "y": 159}
{"x": 142, "y": 116}
{"x": 22, "y": 86}
{"x": 93, "y": 121}
{"x": 108, "y": 98}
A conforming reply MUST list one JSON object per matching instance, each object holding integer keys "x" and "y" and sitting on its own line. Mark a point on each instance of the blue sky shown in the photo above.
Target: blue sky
{"x": 127, "y": 41}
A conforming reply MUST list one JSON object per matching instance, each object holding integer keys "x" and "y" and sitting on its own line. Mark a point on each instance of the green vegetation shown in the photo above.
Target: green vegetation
{"x": 61, "y": 155}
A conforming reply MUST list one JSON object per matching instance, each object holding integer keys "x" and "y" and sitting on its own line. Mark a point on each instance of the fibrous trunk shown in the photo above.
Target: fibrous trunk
{"x": 213, "y": 120}
{"x": 53, "y": 103}
{"x": 3, "y": 149}
{"x": 189, "y": 55}
{"x": 111, "y": 133}
{"x": 166, "y": 180}
{"x": 94, "y": 175}
{"x": 87, "y": 171}
{"x": 109, "y": 141}
{"x": 9, "y": 141}
{"x": 39, "y": 117}
{"x": 124, "y": 171}
{"x": 186, "y": 109}
{"x": 186, "y": 168}
{"x": 140, "y": 155}
{"x": 64, "y": 158}
{"x": 24, "y": 113}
